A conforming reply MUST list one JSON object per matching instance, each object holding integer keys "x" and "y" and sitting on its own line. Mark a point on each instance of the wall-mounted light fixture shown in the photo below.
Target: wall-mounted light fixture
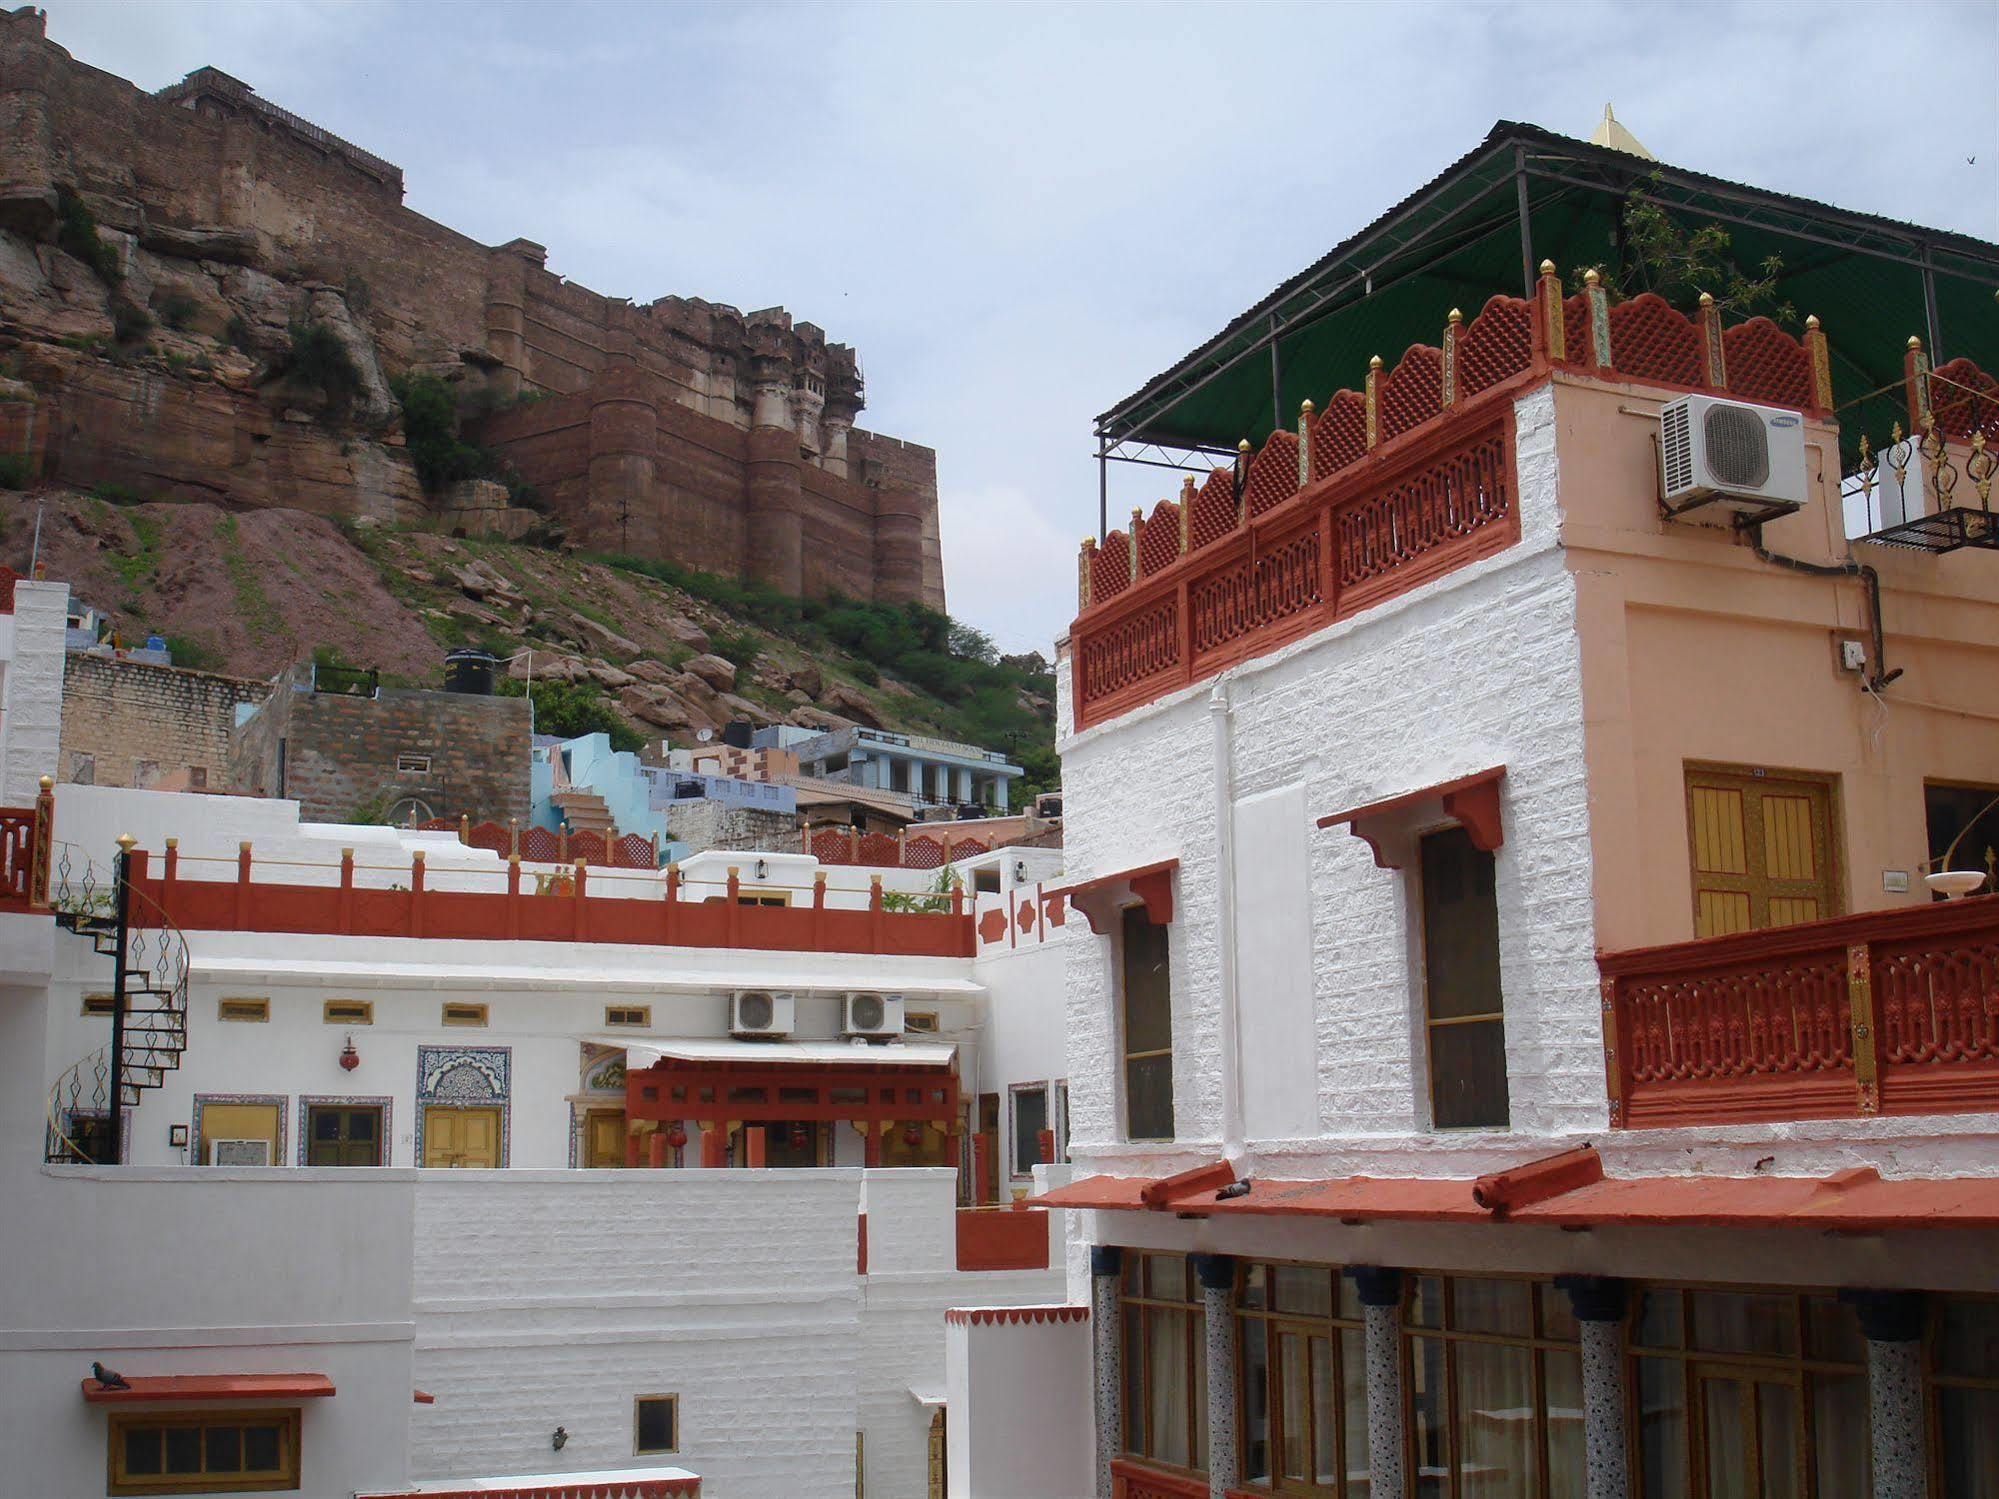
{"x": 763, "y": 869}
{"x": 349, "y": 1057}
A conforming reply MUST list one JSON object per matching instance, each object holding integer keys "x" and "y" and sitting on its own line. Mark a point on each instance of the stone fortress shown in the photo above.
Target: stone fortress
{"x": 682, "y": 430}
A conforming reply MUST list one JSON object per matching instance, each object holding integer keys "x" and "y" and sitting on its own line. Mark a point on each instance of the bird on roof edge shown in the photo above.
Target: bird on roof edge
{"x": 108, "y": 1379}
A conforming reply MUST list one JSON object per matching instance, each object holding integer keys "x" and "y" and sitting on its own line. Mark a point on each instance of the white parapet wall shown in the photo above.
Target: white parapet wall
{"x": 1017, "y": 1380}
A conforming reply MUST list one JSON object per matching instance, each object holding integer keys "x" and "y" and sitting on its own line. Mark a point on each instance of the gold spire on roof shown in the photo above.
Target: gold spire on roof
{"x": 1612, "y": 134}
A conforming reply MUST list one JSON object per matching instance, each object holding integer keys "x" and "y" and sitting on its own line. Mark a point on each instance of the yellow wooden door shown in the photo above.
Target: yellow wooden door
{"x": 604, "y": 1138}
{"x": 1762, "y": 849}
{"x": 461, "y": 1137}
{"x": 239, "y": 1121}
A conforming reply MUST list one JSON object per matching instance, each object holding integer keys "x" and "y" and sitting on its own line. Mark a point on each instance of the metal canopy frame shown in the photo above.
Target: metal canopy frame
{"x": 1518, "y": 172}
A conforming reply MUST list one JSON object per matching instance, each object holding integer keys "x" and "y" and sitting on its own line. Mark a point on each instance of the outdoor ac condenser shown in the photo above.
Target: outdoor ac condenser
{"x": 1747, "y": 459}
{"x": 239, "y": 1152}
{"x": 867, "y": 1013}
{"x": 760, "y": 1012}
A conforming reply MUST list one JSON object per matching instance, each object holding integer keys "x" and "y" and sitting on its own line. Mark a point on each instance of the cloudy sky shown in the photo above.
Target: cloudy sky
{"x": 1016, "y": 213}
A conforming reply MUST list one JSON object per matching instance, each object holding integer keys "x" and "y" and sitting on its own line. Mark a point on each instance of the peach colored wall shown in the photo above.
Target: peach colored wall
{"x": 1694, "y": 649}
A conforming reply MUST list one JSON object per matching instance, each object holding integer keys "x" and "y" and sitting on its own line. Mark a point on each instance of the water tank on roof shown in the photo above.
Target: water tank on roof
{"x": 737, "y": 732}
{"x": 470, "y": 672}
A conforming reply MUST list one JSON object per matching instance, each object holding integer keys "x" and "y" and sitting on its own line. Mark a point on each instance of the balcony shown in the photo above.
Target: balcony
{"x": 1888, "y": 1012}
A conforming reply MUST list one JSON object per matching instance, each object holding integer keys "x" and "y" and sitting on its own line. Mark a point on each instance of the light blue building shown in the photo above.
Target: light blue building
{"x": 935, "y": 771}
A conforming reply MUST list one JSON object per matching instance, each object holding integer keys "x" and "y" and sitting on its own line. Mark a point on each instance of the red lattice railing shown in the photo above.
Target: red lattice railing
{"x": 17, "y": 859}
{"x": 922, "y": 853}
{"x": 589, "y": 847}
{"x": 1192, "y": 603}
{"x": 1890, "y": 1011}
{"x": 539, "y": 845}
{"x": 1963, "y": 399}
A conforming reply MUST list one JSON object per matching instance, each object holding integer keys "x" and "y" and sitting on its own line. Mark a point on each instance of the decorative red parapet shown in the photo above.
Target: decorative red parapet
{"x": 1015, "y": 1316}
{"x": 1889, "y": 1011}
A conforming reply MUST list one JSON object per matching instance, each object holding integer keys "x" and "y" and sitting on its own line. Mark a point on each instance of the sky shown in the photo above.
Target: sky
{"x": 1018, "y": 213}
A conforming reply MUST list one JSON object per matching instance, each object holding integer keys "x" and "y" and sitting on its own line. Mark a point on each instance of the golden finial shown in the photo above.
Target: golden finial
{"x": 127, "y": 842}
{"x": 1812, "y": 321}
{"x": 1915, "y": 342}
{"x": 1137, "y": 513}
{"x": 1592, "y": 276}
{"x": 1456, "y": 317}
{"x": 1088, "y": 542}
{"x": 1305, "y": 407}
{"x": 1895, "y": 433}
{"x": 1374, "y": 363}
{"x": 175, "y": 843}
{"x": 1243, "y": 446}
{"x": 417, "y": 854}
{"x": 1547, "y": 267}
{"x": 1707, "y": 299}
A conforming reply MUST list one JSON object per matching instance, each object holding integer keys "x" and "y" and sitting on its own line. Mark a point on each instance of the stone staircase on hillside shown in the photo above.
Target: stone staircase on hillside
{"x": 585, "y": 812}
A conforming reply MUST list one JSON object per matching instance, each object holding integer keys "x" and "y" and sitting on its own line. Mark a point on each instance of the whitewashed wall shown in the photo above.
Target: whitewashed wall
{"x": 1027, "y": 1387}
{"x": 1478, "y": 668}
{"x": 31, "y": 667}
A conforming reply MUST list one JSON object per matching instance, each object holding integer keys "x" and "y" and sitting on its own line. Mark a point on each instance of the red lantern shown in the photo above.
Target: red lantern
{"x": 798, "y": 1137}
{"x": 913, "y": 1136}
{"x": 349, "y": 1057}
{"x": 676, "y": 1137}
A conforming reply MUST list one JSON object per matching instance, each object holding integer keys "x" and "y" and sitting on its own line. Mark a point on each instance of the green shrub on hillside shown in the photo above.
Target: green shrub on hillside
{"x": 574, "y": 708}
{"x": 319, "y": 361}
{"x": 76, "y": 234}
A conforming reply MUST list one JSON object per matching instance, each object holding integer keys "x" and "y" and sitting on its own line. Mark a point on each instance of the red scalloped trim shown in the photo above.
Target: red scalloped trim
{"x": 1008, "y": 1316}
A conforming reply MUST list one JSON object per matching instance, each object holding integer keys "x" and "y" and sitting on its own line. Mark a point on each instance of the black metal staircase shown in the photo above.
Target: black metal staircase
{"x": 148, "y": 1008}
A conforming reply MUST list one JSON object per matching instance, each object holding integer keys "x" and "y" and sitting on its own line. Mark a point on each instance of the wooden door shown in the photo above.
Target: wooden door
{"x": 1763, "y": 849}
{"x": 461, "y": 1137}
{"x": 604, "y": 1138}
{"x": 343, "y": 1135}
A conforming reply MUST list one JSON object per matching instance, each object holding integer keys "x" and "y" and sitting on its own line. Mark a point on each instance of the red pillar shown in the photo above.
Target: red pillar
{"x": 753, "y": 1145}
{"x": 655, "y": 1149}
{"x": 871, "y": 1145}
{"x": 714, "y": 1145}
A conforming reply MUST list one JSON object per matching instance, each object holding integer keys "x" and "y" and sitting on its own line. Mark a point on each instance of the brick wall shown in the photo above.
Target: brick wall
{"x": 127, "y": 723}
{"x": 337, "y": 755}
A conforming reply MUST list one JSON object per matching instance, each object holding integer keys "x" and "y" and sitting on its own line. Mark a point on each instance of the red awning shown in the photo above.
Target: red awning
{"x": 1472, "y": 800}
{"x": 210, "y": 1387}
{"x": 1858, "y": 1200}
{"x": 423, "y": 1397}
{"x": 1097, "y": 899}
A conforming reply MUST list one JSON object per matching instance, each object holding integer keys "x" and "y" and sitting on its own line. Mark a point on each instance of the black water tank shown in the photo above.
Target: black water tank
{"x": 470, "y": 672}
{"x": 737, "y": 733}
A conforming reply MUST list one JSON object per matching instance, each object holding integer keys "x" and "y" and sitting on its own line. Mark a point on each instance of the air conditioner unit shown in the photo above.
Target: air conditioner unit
{"x": 759, "y": 1012}
{"x": 1898, "y": 492}
{"x": 239, "y": 1152}
{"x": 866, "y": 1013}
{"x": 1747, "y": 459}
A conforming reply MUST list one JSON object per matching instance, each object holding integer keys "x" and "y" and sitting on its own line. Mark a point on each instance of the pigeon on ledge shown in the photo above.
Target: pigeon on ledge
{"x": 108, "y": 1379}
{"x": 1233, "y": 1189}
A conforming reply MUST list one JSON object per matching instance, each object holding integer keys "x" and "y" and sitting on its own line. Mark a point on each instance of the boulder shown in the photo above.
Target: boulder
{"x": 698, "y": 692}
{"x": 645, "y": 669}
{"x": 846, "y": 700}
{"x": 604, "y": 635}
{"x": 657, "y": 706}
{"x": 807, "y": 679}
{"x": 809, "y": 717}
{"x": 742, "y": 707}
{"x": 683, "y": 631}
{"x": 610, "y": 676}
{"x": 227, "y": 243}
{"x": 716, "y": 672}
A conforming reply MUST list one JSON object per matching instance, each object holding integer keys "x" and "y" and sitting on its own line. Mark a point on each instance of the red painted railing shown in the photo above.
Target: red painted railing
{"x": 24, "y": 853}
{"x": 1002, "y": 1239}
{"x": 1386, "y": 487}
{"x": 1893, "y": 1012}
{"x": 565, "y": 914}
{"x": 908, "y": 849}
{"x": 1131, "y": 1479}
{"x": 629, "y": 851}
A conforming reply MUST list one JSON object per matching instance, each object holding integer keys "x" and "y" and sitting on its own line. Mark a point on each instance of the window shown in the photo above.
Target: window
{"x": 1062, "y": 1120}
{"x": 204, "y": 1453}
{"x": 412, "y": 765}
{"x": 656, "y": 1423}
{"x": 922, "y": 1021}
{"x": 1465, "y": 1031}
{"x": 1763, "y": 848}
{"x": 639, "y": 1015}
{"x": 243, "y": 1009}
{"x": 99, "y": 1004}
{"x": 1145, "y": 998}
{"x": 464, "y": 1014}
{"x": 1964, "y": 1394}
{"x": 1165, "y": 1361}
{"x": 343, "y": 1134}
{"x": 1495, "y": 1388}
{"x": 1750, "y": 1392}
{"x": 1302, "y": 1350}
{"x": 763, "y": 898}
{"x": 1030, "y": 1117}
{"x": 349, "y": 1012}
{"x": 1967, "y": 816}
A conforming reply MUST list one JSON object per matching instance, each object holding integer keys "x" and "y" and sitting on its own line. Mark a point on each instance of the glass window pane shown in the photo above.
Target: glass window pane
{"x": 1777, "y": 1441}
{"x": 1148, "y": 1097}
{"x": 1744, "y": 1322}
{"x": 1968, "y": 1422}
{"x": 1968, "y": 1338}
{"x": 1495, "y": 1416}
{"x": 1662, "y": 1428}
{"x": 1349, "y": 1293}
{"x": 1659, "y": 1319}
{"x": 1134, "y": 1379}
{"x": 1460, "y": 926}
{"x": 225, "y": 1449}
{"x": 1562, "y": 1373}
{"x": 1558, "y": 1316}
{"x": 1426, "y": 1302}
{"x": 142, "y": 1450}
{"x": 1030, "y": 1117}
{"x": 1166, "y": 1385}
{"x": 1325, "y": 1414}
{"x": 361, "y": 1124}
{"x": 1303, "y": 1289}
{"x": 1501, "y": 1306}
{"x": 1840, "y": 1432}
{"x": 1254, "y": 1280}
{"x": 260, "y": 1449}
{"x": 183, "y": 1449}
{"x": 1468, "y": 1075}
{"x": 1353, "y": 1399}
{"x": 1429, "y": 1405}
{"x": 1293, "y": 1388}
{"x": 1148, "y": 1013}
{"x": 655, "y": 1426}
{"x": 1832, "y": 1331}
{"x": 1255, "y": 1399}
{"x": 1166, "y": 1276}
{"x": 325, "y": 1124}
{"x": 1725, "y": 1440}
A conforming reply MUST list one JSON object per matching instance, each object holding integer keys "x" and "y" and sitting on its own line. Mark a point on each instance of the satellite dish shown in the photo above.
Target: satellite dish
{"x": 705, "y": 735}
